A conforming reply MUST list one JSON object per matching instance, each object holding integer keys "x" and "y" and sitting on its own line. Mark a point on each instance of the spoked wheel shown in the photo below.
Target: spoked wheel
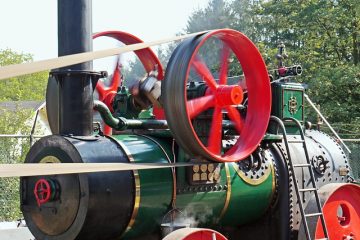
{"x": 106, "y": 94}
{"x": 195, "y": 234}
{"x": 341, "y": 208}
{"x": 220, "y": 99}
{"x": 147, "y": 58}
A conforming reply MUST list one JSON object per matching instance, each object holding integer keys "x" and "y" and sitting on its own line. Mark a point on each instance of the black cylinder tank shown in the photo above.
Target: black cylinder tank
{"x": 91, "y": 206}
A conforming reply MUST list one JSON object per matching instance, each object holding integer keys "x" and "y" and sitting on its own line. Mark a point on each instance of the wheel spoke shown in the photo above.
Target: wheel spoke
{"x": 214, "y": 142}
{"x": 204, "y": 72}
{"x": 225, "y": 53}
{"x": 198, "y": 105}
{"x": 236, "y": 118}
{"x": 115, "y": 81}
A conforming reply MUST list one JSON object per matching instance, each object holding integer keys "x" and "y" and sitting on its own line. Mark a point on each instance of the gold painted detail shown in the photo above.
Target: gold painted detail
{"x": 260, "y": 175}
{"x": 50, "y": 159}
{"x": 136, "y": 203}
{"x": 228, "y": 191}
{"x": 292, "y": 105}
{"x": 137, "y": 188}
{"x": 273, "y": 185}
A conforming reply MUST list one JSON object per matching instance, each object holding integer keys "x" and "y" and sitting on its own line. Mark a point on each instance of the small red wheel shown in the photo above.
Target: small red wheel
{"x": 195, "y": 234}
{"x": 341, "y": 208}
{"x": 188, "y": 65}
{"x": 342, "y": 213}
{"x": 147, "y": 58}
{"x": 42, "y": 191}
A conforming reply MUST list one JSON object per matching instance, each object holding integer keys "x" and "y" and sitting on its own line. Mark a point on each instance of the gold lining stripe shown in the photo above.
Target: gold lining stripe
{"x": 273, "y": 181}
{"x": 50, "y": 159}
{"x": 137, "y": 186}
{"x": 248, "y": 180}
{"x": 173, "y": 203}
{"x": 228, "y": 191}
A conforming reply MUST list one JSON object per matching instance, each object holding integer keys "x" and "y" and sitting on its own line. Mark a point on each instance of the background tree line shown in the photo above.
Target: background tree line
{"x": 321, "y": 35}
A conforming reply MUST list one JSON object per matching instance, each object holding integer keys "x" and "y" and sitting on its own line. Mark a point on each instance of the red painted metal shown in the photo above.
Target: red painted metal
{"x": 146, "y": 55}
{"x": 223, "y": 97}
{"x": 342, "y": 214}
{"x": 195, "y": 234}
{"x": 147, "y": 58}
{"x": 42, "y": 191}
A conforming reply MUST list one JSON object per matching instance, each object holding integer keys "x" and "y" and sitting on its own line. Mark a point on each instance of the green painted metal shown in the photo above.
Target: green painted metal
{"x": 200, "y": 207}
{"x": 288, "y": 101}
{"x": 156, "y": 186}
{"x": 248, "y": 202}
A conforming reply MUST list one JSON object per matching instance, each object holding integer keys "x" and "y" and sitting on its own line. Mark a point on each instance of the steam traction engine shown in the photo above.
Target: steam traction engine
{"x": 251, "y": 176}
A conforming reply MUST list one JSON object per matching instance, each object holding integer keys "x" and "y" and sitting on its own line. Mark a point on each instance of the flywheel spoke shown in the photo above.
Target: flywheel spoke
{"x": 199, "y": 105}
{"x": 225, "y": 53}
{"x": 235, "y": 117}
{"x": 214, "y": 142}
{"x": 204, "y": 72}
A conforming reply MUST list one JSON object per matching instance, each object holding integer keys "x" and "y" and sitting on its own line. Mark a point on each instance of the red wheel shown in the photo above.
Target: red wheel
{"x": 341, "y": 208}
{"x": 146, "y": 56}
{"x": 42, "y": 191}
{"x": 221, "y": 98}
{"x": 195, "y": 234}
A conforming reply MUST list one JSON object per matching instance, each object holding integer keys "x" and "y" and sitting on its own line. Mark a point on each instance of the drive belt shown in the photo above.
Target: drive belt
{"x": 43, "y": 169}
{"x": 59, "y": 62}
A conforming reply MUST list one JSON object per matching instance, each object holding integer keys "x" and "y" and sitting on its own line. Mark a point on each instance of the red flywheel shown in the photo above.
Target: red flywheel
{"x": 207, "y": 62}
{"x": 146, "y": 56}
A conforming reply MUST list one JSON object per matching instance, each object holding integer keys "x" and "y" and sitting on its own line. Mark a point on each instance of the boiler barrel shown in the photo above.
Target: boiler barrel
{"x": 133, "y": 204}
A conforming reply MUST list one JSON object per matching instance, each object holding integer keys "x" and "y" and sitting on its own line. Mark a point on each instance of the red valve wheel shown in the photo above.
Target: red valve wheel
{"x": 42, "y": 191}
{"x": 195, "y": 234}
{"x": 146, "y": 56}
{"x": 187, "y": 65}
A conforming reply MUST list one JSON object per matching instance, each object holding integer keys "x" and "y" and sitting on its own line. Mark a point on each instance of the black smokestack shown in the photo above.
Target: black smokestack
{"x": 76, "y": 83}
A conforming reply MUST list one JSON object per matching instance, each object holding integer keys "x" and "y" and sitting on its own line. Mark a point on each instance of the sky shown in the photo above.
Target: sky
{"x": 31, "y": 26}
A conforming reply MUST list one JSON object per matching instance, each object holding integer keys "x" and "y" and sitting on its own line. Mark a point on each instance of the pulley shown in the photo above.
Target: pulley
{"x": 194, "y": 60}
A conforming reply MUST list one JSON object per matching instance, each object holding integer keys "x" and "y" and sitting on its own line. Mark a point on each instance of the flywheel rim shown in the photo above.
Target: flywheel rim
{"x": 257, "y": 80}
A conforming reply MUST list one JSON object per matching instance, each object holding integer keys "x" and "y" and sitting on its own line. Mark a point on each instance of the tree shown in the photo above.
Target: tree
{"x": 29, "y": 87}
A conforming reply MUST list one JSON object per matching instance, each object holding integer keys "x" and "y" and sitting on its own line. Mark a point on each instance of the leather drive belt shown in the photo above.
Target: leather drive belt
{"x": 42, "y": 169}
{"x": 38, "y": 66}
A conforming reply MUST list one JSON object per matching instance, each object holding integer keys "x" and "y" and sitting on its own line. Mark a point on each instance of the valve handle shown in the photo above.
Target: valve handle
{"x": 42, "y": 191}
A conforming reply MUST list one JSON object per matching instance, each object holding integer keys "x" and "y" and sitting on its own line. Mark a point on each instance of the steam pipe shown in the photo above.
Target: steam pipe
{"x": 120, "y": 123}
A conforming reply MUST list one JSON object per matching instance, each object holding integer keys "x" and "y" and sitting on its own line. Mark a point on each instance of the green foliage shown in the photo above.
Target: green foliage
{"x": 28, "y": 87}
{"x": 13, "y": 150}
{"x": 321, "y": 35}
